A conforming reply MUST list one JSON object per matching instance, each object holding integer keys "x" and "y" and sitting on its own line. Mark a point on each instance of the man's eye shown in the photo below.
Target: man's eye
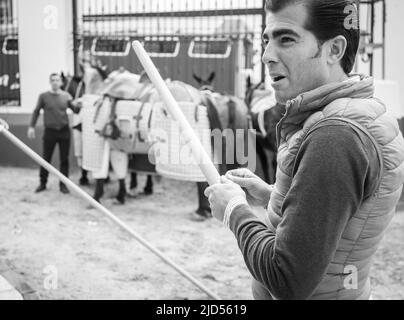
{"x": 286, "y": 40}
{"x": 265, "y": 41}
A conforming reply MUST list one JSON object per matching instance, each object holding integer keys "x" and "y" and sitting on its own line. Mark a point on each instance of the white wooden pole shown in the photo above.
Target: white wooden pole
{"x": 202, "y": 158}
{"x": 34, "y": 156}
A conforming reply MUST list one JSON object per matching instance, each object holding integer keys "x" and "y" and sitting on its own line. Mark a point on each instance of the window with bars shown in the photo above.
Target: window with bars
{"x": 10, "y": 46}
{"x": 162, "y": 47}
{"x": 111, "y": 47}
{"x": 210, "y": 48}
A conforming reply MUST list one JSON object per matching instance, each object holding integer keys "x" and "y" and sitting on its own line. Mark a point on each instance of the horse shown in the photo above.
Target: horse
{"x": 97, "y": 83}
{"x": 75, "y": 87}
{"x": 225, "y": 112}
{"x": 265, "y": 113}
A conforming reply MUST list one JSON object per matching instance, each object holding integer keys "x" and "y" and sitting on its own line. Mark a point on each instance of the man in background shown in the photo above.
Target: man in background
{"x": 54, "y": 104}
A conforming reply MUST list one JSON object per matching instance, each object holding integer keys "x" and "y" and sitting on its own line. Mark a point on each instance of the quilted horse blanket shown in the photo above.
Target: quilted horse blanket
{"x": 173, "y": 155}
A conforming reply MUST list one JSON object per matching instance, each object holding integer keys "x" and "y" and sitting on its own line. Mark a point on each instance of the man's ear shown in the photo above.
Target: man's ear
{"x": 336, "y": 49}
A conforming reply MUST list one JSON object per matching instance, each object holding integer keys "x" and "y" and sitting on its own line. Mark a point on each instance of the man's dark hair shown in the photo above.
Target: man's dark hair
{"x": 329, "y": 19}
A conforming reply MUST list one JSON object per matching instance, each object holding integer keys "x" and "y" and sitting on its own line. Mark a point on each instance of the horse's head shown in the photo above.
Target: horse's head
{"x": 205, "y": 84}
{"x": 253, "y": 90}
{"x": 94, "y": 77}
{"x": 72, "y": 84}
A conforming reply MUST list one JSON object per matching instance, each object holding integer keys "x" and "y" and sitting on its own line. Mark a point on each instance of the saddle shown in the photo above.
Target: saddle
{"x": 126, "y": 101}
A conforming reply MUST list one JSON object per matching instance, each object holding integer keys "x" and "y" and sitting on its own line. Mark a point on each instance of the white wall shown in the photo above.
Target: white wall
{"x": 394, "y": 54}
{"x": 45, "y": 45}
{"x": 395, "y": 44}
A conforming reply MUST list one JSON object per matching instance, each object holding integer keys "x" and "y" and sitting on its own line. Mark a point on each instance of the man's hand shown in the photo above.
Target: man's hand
{"x": 31, "y": 133}
{"x": 76, "y": 105}
{"x": 219, "y": 196}
{"x": 258, "y": 192}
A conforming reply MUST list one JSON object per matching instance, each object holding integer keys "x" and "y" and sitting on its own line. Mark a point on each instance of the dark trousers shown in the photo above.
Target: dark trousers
{"x": 51, "y": 138}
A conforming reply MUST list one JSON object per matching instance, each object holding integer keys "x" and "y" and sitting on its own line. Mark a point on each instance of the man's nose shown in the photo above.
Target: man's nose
{"x": 269, "y": 55}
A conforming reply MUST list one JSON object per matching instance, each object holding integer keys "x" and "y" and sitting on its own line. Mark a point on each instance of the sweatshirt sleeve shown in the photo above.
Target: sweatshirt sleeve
{"x": 37, "y": 111}
{"x": 329, "y": 183}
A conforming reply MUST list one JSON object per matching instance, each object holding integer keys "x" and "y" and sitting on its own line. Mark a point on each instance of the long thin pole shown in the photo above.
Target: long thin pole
{"x": 384, "y": 42}
{"x": 202, "y": 158}
{"x": 75, "y": 37}
{"x": 34, "y": 156}
{"x": 263, "y": 27}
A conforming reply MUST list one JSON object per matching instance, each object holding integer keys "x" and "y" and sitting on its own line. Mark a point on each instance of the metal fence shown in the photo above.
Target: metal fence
{"x": 187, "y": 39}
{"x": 9, "y": 63}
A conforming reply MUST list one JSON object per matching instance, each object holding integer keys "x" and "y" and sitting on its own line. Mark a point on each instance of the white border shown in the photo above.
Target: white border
{"x": 4, "y": 49}
{"x": 164, "y": 55}
{"x": 207, "y": 55}
{"x": 111, "y": 54}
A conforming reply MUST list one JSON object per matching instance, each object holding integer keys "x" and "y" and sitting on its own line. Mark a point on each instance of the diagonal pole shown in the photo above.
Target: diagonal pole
{"x": 34, "y": 156}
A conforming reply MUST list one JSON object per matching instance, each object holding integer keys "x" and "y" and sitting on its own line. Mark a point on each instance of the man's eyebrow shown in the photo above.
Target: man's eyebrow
{"x": 282, "y": 32}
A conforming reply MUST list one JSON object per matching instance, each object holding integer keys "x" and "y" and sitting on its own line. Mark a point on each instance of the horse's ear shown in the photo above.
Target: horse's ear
{"x": 261, "y": 86}
{"x": 248, "y": 81}
{"x": 82, "y": 70}
{"x": 199, "y": 80}
{"x": 62, "y": 75}
{"x": 212, "y": 77}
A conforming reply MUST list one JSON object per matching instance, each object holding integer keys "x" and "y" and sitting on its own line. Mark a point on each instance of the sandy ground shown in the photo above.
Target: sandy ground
{"x": 94, "y": 259}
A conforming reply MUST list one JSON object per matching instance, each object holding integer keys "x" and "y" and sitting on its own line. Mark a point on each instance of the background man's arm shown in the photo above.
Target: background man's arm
{"x": 37, "y": 111}
{"x": 73, "y": 105}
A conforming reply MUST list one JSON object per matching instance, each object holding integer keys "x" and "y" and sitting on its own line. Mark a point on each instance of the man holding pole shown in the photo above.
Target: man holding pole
{"x": 54, "y": 103}
{"x": 340, "y": 163}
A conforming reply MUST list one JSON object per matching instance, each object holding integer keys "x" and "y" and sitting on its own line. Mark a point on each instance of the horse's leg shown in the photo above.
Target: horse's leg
{"x": 84, "y": 178}
{"x": 204, "y": 207}
{"x": 107, "y": 179}
{"x": 122, "y": 192}
{"x": 133, "y": 180}
{"x": 119, "y": 163}
{"x": 99, "y": 189}
{"x": 148, "y": 189}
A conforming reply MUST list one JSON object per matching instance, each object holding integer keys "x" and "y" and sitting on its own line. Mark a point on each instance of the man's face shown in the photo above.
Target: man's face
{"x": 56, "y": 82}
{"x": 292, "y": 55}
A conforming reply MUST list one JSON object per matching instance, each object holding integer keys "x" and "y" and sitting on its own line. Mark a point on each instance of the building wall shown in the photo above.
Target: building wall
{"x": 395, "y": 44}
{"x": 45, "y": 45}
